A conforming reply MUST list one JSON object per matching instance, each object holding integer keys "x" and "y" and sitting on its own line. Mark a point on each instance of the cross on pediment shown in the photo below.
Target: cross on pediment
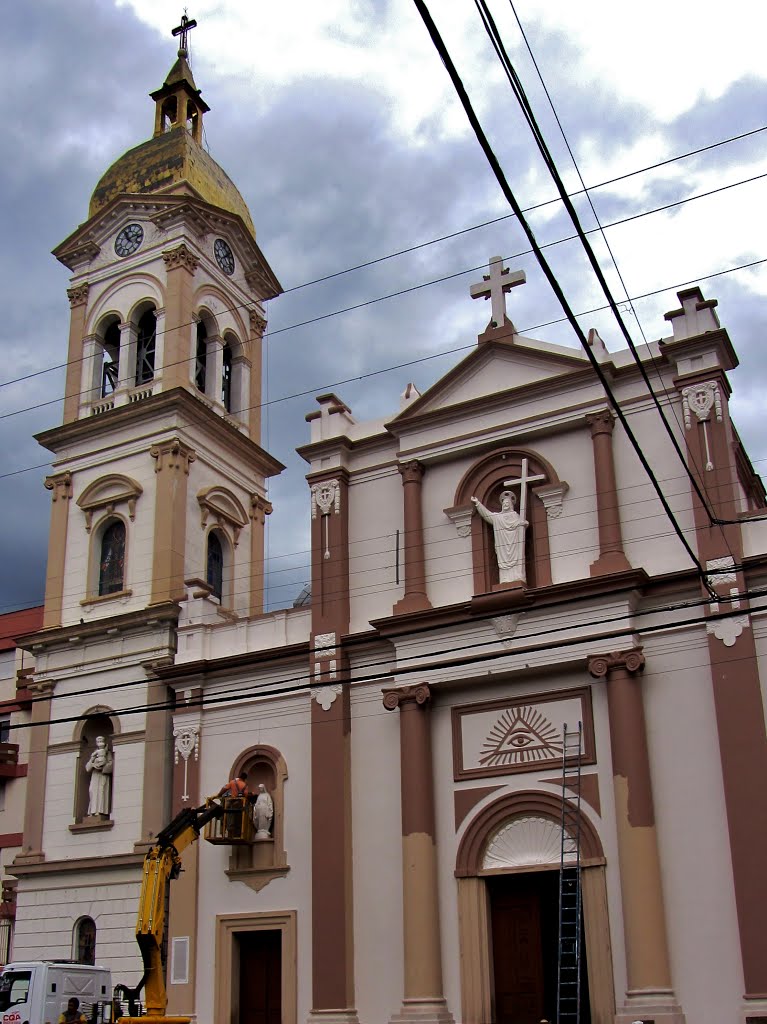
{"x": 494, "y": 286}
{"x": 187, "y": 24}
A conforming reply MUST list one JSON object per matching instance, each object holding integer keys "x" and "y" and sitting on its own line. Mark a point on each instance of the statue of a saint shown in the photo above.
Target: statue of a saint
{"x": 99, "y": 767}
{"x": 509, "y": 535}
{"x": 263, "y": 813}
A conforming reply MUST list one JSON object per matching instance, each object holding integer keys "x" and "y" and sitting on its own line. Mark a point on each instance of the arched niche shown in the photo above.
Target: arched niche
{"x": 258, "y": 864}
{"x": 97, "y": 721}
{"x": 486, "y": 480}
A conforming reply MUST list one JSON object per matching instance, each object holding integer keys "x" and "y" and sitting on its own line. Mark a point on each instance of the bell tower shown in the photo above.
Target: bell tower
{"x": 159, "y": 483}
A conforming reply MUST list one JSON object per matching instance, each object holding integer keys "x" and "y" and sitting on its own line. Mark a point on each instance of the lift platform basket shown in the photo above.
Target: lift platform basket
{"x": 235, "y": 827}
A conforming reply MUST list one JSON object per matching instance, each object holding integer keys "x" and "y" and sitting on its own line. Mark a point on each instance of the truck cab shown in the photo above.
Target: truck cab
{"x": 37, "y": 991}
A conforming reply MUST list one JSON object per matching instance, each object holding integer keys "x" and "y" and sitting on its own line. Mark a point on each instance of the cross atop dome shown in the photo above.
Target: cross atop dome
{"x": 187, "y": 24}
{"x": 494, "y": 286}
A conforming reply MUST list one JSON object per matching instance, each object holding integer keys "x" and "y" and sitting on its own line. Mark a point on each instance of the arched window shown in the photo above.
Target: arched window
{"x": 214, "y": 574}
{"x": 169, "y": 113}
{"x": 201, "y": 356}
{"x": 112, "y": 558}
{"x": 226, "y": 377}
{"x": 110, "y": 368}
{"x": 85, "y": 941}
{"x": 145, "y": 347}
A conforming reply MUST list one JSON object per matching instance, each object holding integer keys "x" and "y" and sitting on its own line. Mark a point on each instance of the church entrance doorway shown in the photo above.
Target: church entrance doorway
{"x": 524, "y": 925}
{"x": 260, "y": 977}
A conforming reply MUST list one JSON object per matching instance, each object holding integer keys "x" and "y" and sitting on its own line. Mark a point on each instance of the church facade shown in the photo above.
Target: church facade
{"x": 492, "y": 572}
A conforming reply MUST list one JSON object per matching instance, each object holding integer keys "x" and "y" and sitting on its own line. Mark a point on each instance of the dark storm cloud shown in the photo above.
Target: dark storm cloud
{"x": 330, "y": 182}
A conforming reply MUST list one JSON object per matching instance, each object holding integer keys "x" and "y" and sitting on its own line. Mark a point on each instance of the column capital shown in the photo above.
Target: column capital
{"x": 411, "y": 472}
{"x": 257, "y": 322}
{"x": 601, "y": 422}
{"x": 181, "y": 256}
{"x": 60, "y": 484}
{"x": 601, "y": 665}
{"x": 78, "y": 295}
{"x": 397, "y": 696}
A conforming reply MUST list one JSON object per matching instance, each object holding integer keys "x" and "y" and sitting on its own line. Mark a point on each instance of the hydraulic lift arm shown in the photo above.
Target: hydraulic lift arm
{"x": 161, "y": 865}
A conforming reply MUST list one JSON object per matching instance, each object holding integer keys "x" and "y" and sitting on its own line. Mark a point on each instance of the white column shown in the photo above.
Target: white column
{"x": 159, "y": 347}
{"x": 214, "y": 371}
{"x": 127, "y": 363}
{"x": 241, "y": 388}
{"x": 90, "y": 379}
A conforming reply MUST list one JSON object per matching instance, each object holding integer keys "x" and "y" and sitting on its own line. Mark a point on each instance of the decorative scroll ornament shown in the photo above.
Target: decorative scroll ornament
{"x": 324, "y": 645}
{"x": 325, "y": 695}
{"x": 552, "y": 496}
{"x": 600, "y": 665}
{"x": 187, "y": 741}
{"x": 721, "y": 571}
{"x": 399, "y": 695}
{"x": 727, "y": 630}
{"x": 460, "y": 517}
{"x": 326, "y": 496}
{"x": 506, "y": 626}
{"x": 701, "y": 399}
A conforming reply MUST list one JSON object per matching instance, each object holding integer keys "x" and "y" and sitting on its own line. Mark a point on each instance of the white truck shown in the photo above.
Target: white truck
{"x": 37, "y": 991}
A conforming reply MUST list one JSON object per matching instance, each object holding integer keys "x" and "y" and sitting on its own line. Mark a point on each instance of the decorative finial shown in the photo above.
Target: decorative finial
{"x": 186, "y": 25}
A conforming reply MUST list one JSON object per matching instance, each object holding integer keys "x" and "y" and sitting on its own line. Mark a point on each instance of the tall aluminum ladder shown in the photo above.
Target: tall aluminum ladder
{"x": 569, "y": 949}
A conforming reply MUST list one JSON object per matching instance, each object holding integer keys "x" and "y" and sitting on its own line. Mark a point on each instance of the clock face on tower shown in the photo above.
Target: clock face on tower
{"x": 224, "y": 256}
{"x": 129, "y": 239}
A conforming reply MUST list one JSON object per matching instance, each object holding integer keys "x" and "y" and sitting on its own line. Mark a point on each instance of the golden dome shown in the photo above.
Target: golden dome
{"x": 174, "y": 155}
{"x": 164, "y": 161}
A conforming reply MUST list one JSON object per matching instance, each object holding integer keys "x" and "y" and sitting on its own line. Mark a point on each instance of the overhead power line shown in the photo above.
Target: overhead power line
{"x": 519, "y": 92}
{"x": 405, "y": 291}
{"x": 553, "y": 282}
{"x": 437, "y": 355}
{"x": 383, "y": 671}
{"x": 476, "y": 227}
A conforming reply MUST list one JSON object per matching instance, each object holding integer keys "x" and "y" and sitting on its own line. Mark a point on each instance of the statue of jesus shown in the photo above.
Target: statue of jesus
{"x": 509, "y": 536}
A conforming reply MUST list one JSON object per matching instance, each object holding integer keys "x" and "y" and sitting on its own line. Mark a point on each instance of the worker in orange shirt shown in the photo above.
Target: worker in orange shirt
{"x": 235, "y": 795}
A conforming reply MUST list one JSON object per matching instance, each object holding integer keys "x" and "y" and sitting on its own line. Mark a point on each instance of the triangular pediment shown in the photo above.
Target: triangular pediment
{"x": 495, "y": 367}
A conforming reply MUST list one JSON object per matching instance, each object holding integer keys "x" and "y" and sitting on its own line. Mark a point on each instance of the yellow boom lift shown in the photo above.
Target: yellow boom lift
{"x": 161, "y": 865}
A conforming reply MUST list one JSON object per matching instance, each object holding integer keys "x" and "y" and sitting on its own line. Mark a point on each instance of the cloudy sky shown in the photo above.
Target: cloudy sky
{"x": 338, "y": 123}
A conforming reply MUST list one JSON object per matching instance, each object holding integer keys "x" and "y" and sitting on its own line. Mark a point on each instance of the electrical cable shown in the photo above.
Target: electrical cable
{"x": 401, "y": 670}
{"x": 548, "y": 158}
{"x": 366, "y": 551}
{"x": 392, "y": 295}
{"x": 553, "y": 282}
{"x": 474, "y": 227}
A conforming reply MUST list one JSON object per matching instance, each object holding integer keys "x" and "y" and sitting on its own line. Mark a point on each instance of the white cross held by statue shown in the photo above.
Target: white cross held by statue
{"x": 523, "y": 480}
{"x": 494, "y": 286}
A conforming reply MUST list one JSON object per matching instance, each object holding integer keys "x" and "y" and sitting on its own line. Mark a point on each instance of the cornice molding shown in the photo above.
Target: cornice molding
{"x": 179, "y": 400}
